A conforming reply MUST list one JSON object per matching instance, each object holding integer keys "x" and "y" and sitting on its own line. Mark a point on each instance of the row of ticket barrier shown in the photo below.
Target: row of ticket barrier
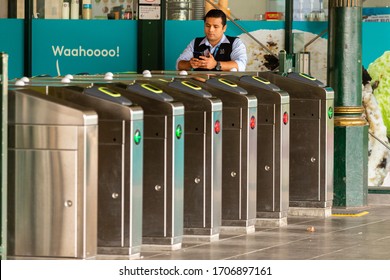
{"x": 105, "y": 166}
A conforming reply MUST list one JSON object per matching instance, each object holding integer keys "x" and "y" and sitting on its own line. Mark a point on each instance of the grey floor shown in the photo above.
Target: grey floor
{"x": 334, "y": 238}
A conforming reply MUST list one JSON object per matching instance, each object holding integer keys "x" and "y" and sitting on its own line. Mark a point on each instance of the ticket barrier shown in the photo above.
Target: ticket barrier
{"x": 202, "y": 158}
{"x": 311, "y": 143}
{"x": 120, "y": 165}
{"x": 239, "y": 154}
{"x": 273, "y": 130}
{"x": 52, "y": 178}
{"x": 163, "y": 172}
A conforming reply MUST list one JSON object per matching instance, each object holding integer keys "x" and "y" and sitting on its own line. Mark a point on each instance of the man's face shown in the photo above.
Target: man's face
{"x": 214, "y": 29}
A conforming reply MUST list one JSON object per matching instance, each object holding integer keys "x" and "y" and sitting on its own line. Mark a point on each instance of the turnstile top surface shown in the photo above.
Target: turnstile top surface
{"x": 106, "y": 108}
{"x": 33, "y": 107}
{"x": 191, "y": 95}
{"x": 269, "y": 93}
{"x": 298, "y": 89}
{"x": 228, "y": 97}
{"x": 150, "y": 105}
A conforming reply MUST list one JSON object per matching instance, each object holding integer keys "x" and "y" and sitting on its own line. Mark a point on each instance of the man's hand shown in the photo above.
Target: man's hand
{"x": 205, "y": 62}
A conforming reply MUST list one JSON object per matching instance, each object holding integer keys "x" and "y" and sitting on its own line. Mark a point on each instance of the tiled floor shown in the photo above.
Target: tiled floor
{"x": 335, "y": 238}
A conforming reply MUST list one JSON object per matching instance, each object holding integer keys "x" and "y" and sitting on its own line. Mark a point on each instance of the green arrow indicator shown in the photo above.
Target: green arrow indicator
{"x": 137, "y": 137}
{"x": 179, "y": 131}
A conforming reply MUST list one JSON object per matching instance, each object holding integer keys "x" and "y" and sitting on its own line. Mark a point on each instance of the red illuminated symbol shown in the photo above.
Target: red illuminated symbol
{"x": 217, "y": 127}
{"x": 285, "y": 118}
{"x": 252, "y": 123}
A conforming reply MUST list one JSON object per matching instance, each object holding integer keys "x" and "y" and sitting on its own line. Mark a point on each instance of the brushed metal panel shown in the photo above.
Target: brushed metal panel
{"x": 57, "y": 216}
{"x": 111, "y": 180}
{"x": 87, "y": 191}
{"x": 45, "y": 137}
{"x": 266, "y": 168}
{"x": 195, "y": 197}
{"x": 35, "y": 108}
{"x": 266, "y": 114}
{"x": 111, "y": 132}
{"x": 195, "y": 122}
{"x": 231, "y": 174}
{"x": 46, "y": 205}
{"x": 154, "y": 189}
{"x": 304, "y": 160}
{"x": 154, "y": 126}
{"x": 305, "y": 108}
{"x": 110, "y": 195}
{"x": 232, "y": 118}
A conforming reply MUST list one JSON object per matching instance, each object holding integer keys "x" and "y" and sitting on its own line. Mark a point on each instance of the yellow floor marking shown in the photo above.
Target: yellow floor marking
{"x": 351, "y": 215}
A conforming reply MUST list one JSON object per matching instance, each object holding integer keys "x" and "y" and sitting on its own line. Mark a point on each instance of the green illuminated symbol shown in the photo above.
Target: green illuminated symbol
{"x": 330, "y": 112}
{"x": 137, "y": 137}
{"x": 179, "y": 131}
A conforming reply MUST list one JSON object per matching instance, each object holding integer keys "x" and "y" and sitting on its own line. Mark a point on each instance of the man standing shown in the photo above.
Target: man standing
{"x": 216, "y": 51}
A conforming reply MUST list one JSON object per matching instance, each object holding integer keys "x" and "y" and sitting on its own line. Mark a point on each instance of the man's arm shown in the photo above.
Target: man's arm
{"x": 239, "y": 55}
{"x": 183, "y": 62}
{"x": 184, "y": 65}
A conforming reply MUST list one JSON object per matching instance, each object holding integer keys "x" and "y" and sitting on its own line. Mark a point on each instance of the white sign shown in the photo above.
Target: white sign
{"x": 150, "y": 2}
{"x": 149, "y": 12}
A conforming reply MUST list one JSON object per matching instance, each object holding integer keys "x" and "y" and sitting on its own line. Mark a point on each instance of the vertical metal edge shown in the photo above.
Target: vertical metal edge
{"x": 285, "y": 162}
{"x": 216, "y": 161}
{"x": 136, "y": 177}
{"x": 123, "y": 188}
{"x": 329, "y": 152}
{"x": 89, "y": 191}
{"x": 204, "y": 175}
{"x": 4, "y": 152}
{"x": 252, "y": 165}
{"x": 178, "y": 174}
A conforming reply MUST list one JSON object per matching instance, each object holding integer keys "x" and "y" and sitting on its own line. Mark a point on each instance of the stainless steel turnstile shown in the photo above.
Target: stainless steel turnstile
{"x": 52, "y": 177}
{"x": 239, "y": 153}
{"x": 202, "y": 158}
{"x": 120, "y": 166}
{"x": 163, "y": 178}
{"x": 273, "y": 128}
{"x": 311, "y": 143}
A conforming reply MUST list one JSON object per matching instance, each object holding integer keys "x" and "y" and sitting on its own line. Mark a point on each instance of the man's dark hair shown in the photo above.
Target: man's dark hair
{"x": 215, "y": 13}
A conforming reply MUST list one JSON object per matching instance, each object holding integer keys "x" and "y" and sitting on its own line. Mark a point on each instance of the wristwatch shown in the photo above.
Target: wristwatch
{"x": 218, "y": 67}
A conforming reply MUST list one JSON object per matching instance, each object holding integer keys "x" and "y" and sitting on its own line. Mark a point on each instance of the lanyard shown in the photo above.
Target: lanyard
{"x": 216, "y": 50}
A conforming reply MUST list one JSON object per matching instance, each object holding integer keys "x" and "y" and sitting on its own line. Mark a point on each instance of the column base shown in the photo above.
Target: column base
{"x": 350, "y": 166}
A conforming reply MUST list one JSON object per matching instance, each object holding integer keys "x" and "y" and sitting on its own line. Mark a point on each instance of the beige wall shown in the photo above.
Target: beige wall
{"x": 4, "y": 8}
{"x": 376, "y": 3}
{"x": 246, "y": 9}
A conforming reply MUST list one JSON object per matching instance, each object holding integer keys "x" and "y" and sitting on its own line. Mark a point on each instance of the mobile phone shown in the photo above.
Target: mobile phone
{"x": 197, "y": 54}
